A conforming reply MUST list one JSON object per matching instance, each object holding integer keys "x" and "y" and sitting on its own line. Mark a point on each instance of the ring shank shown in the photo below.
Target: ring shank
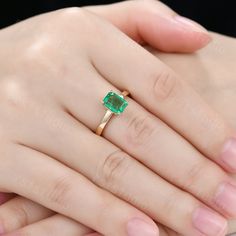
{"x": 104, "y": 122}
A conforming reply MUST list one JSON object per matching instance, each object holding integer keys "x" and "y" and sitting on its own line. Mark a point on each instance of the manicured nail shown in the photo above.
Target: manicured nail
{"x": 226, "y": 198}
{"x": 208, "y": 222}
{"x": 189, "y": 24}
{"x": 138, "y": 227}
{"x": 228, "y": 155}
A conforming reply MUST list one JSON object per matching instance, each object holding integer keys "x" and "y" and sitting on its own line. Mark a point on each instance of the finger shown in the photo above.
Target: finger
{"x": 158, "y": 25}
{"x": 116, "y": 171}
{"x": 55, "y": 225}
{"x": 19, "y": 212}
{"x": 146, "y": 138}
{"x": 49, "y": 183}
{"x": 156, "y": 87}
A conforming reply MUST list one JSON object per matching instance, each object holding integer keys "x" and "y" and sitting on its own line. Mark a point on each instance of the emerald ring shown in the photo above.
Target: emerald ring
{"x": 115, "y": 104}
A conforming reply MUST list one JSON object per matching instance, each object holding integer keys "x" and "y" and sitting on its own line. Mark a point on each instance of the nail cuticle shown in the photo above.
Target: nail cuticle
{"x": 225, "y": 199}
{"x": 228, "y": 155}
{"x": 208, "y": 222}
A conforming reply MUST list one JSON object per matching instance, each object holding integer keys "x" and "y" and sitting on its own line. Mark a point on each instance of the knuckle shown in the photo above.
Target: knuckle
{"x": 14, "y": 93}
{"x": 164, "y": 85}
{"x": 44, "y": 55}
{"x": 60, "y": 191}
{"x": 43, "y": 51}
{"x": 39, "y": 50}
{"x": 70, "y": 13}
{"x": 113, "y": 167}
{"x": 144, "y": 3}
{"x": 75, "y": 18}
{"x": 140, "y": 130}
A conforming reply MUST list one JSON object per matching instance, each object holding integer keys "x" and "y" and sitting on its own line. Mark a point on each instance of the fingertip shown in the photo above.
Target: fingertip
{"x": 170, "y": 35}
{"x": 191, "y": 32}
{"x": 159, "y": 26}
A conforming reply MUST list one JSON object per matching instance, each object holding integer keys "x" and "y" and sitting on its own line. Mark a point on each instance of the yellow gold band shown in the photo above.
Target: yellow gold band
{"x": 108, "y": 115}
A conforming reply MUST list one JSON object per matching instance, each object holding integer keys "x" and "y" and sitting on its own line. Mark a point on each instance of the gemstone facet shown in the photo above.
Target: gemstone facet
{"x": 115, "y": 103}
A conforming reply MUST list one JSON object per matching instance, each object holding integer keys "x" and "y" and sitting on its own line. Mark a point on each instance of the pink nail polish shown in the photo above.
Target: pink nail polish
{"x": 138, "y": 227}
{"x": 226, "y": 198}
{"x": 208, "y": 222}
{"x": 228, "y": 155}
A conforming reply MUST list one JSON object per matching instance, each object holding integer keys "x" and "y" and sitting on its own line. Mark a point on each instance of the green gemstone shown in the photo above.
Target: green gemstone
{"x": 115, "y": 102}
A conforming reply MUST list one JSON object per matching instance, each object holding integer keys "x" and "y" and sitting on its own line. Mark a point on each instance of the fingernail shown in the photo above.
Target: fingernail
{"x": 208, "y": 222}
{"x": 138, "y": 227}
{"x": 190, "y": 24}
{"x": 226, "y": 198}
{"x": 228, "y": 155}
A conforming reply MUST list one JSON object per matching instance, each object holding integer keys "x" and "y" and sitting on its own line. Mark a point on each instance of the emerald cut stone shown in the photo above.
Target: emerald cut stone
{"x": 115, "y": 102}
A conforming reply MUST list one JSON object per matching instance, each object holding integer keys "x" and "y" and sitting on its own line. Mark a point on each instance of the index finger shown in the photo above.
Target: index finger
{"x": 159, "y": 26}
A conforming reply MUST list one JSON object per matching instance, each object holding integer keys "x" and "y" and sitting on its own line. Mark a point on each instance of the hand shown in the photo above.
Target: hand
{"x": 211, "y": 72}
{"x": 42, "y": 150}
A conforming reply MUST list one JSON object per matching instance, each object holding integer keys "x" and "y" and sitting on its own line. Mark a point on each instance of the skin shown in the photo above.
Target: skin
{"x": 211, "y": 72}
{"x": 58, "y": 141}
{"x": 215, "y": 86}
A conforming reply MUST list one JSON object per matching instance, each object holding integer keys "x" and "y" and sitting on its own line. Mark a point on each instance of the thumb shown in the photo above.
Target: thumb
{"x": 152, "y": 22}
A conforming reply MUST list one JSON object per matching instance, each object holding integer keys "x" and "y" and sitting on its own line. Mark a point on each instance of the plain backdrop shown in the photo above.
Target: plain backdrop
{"x": 217, "y": 15}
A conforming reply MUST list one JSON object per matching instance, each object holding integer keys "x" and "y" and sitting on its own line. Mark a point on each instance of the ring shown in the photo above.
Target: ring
{"x": 115, "y": 104}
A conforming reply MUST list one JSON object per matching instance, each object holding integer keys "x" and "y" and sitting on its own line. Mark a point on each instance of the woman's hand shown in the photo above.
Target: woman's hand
{"x": 49, "y": 86}
{"x": 216, "y": 86}
{"x": 211, "y": 72}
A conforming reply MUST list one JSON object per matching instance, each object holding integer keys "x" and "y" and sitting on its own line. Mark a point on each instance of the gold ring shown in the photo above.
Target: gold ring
{"x": 115, "y": 104}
